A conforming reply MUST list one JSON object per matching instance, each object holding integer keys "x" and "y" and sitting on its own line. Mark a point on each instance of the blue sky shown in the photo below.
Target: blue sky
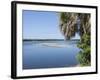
{"x": 41, "y": 25}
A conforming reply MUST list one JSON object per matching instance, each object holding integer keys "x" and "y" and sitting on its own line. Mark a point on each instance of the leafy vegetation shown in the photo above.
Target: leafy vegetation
{"x": 69, "y": 27}
{"x": 84, "y": 56}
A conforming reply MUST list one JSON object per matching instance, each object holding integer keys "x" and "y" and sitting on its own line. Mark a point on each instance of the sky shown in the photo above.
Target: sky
{"x": 41, "y": 25}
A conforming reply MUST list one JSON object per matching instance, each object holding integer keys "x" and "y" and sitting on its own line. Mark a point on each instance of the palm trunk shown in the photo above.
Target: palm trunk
{"x": 84, "y": 29}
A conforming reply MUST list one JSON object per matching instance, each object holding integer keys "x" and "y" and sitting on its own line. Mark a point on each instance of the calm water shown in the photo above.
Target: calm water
{"x": 49, "y": 54}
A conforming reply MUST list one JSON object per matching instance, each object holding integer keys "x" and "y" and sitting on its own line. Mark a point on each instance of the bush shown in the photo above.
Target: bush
{"x": 84, "y": 56}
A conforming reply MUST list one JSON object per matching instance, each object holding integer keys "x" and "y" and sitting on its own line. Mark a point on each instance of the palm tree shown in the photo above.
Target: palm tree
{"x": 85, "y": 23}
{"x": 69, "y": 21}
{"x": 69, "y": 26}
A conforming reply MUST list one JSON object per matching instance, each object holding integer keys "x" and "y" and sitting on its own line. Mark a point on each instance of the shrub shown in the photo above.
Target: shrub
{"x": 84, "y": 56}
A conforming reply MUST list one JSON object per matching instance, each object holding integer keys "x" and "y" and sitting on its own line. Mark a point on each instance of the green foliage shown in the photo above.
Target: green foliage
{"x": 69, "y": 22}
{"x": 69, "y": 26}
{"x": 86, "y": 39}
{"x": 84, "y": 56}
{"x": 63, "y": 17}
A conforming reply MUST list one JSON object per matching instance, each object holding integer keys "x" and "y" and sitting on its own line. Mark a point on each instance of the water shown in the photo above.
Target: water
{"x": 49, "y": 54}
